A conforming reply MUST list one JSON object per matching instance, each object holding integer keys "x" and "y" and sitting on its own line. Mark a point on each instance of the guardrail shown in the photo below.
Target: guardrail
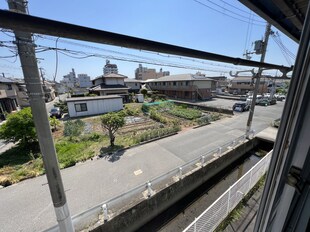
{"x": 210, "y": 219}
{"x": 114, "y": 205}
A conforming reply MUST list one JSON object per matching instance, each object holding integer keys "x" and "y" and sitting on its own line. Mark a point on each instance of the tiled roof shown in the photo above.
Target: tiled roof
{"x": 104, "y": 87}
{"x": 182, "y": 77}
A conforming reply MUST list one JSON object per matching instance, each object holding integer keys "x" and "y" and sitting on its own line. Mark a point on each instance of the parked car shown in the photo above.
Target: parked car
{"x": 273, "y": 101}
{"x": 241, "y": 106}
{"x": 55, "y": 112}
{"x": 280, "y": 97}
{"x": 264, "y": 102}
{"x": 258, "y": 98}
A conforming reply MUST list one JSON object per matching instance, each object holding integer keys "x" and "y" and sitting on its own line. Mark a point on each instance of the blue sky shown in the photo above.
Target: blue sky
{"x": 185, "y": 23}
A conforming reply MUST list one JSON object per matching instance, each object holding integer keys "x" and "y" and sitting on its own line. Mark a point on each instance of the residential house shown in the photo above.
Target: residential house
{"x": 110, "y": 84}
{"x": 133, "y": 85}
{"x": 87, "y": 106}
{"x": 244, "y": 84}
{"x": 143, "y": 73}
{"x": 8, "y": 95}
{"x": 184, "y": 86}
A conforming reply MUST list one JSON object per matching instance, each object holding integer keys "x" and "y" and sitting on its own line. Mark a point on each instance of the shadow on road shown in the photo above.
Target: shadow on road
{"x": 112, "y": 156}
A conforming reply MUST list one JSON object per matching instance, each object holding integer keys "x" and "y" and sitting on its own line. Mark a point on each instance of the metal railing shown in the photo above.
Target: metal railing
{"x": 210, "y": 219}
{"x": 114, "y": 205}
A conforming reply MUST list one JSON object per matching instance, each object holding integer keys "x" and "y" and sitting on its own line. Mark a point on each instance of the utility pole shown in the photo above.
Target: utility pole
{"x": 42, "y": 76}
{"x": 26, "y": 50}
{"x": 257, "y": 82}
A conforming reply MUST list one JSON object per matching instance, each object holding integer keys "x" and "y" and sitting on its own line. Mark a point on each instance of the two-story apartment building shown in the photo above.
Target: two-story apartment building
{"x": 184, "y": 86}
{"x": 133, "y": 85}
{"x": 244, "y": 84}
{"x": 8, "y": 95}
{"x": 110, "y": 84}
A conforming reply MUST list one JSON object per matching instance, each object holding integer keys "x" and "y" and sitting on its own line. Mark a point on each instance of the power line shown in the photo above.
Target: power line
{"x": 250, "y": 13}
{"x": 136, "y": 56}
{"x": 242, "y": 16}
{"x": 205, "y": 5}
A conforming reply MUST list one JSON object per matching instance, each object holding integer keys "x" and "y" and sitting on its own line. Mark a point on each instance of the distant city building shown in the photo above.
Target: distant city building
{"x": 84, "y": 81}
{"x": 110, "y": 68}
{"x": 144, "y": 73}
{"x": 70, "y": 80}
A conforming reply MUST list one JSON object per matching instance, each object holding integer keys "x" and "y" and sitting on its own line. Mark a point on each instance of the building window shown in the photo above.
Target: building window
{"x": 174, "y": 83}
{"x": 80, "y": 107}
{"x": 9, "y": 87}
{"x": 136, "y": 84}
{"x": 164, "y": 83}
{"x": 187, "y": 83}
{"x": 186, "y": 94}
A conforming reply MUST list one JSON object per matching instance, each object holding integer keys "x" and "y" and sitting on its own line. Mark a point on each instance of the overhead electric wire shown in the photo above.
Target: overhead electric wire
{"x": 83, "y": 55}
{"x": 137, "y": 56}
{"x": 239, "y": 8}
{"x": 205, "y": 5}
{"x": 56, "y": 61}
{"x": 258, "y": 21}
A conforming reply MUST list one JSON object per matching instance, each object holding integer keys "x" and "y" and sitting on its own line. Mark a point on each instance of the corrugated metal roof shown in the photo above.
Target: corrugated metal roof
{"x": 92, "y": 98}
{"x": 6, "y": 80}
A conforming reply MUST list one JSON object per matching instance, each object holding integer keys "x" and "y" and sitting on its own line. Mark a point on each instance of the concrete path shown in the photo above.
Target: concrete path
{"x": 27, "y": 206}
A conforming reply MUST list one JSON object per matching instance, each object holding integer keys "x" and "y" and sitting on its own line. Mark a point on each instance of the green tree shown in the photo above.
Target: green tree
{"x": 112, "y": 122}
{"x": 144, "y": 92}
{"x": 54, "y": 122}
{"x": 19, "y": 127}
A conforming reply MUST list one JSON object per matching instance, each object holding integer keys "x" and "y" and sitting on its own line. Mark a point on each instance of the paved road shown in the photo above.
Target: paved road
{"x": 27, "y": 206}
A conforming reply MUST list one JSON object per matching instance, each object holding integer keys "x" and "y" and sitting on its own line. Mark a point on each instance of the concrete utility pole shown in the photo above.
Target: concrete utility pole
{"x": 26, "y": 50}
{"x": 257, "y": 82}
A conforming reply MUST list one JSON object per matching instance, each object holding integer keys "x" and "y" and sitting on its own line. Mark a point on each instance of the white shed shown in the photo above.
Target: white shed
{"x": 87, "y": 106}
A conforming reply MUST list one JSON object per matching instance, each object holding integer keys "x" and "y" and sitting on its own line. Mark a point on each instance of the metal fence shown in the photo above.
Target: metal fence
{"x": 210, "y": 219}
{"x": 112, "y": 206}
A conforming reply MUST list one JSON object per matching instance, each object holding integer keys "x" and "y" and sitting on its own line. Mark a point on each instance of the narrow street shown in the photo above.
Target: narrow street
{"x": 27, "y": 206}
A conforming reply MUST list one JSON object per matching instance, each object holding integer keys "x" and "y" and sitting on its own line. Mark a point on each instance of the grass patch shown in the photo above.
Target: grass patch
{"x": 185, "y": 113}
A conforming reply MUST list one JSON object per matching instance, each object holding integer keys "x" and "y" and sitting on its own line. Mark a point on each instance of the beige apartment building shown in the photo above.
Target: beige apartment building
{"x": 143, "y": 73}
{"x": 184, "y": 86}
{"x": 244, "y": 84}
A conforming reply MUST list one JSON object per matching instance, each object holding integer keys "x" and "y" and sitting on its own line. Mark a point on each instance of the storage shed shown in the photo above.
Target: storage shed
{"x": 87, "y": 106}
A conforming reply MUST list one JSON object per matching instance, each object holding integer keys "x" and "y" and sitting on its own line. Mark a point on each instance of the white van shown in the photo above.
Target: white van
{"x": 258, "y": 98}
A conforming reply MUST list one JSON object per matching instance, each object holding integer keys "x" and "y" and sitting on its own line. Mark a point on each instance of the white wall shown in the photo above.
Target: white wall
{"x": 95, "y": 107}
{"x": 114, "y": 81}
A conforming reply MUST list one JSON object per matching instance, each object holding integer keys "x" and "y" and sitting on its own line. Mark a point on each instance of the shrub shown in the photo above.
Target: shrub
{"x": 203, "y": 120}
{"x": 19, "y": 127}
{"x": 62, "y": 106}
{"x": 156, "y": 133}
{"x": 73, "y": 128}
{"x": 157, "y": 117}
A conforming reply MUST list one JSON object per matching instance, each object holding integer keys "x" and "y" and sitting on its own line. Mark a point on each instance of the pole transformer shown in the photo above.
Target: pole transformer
{"x": 257, "y": 79}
